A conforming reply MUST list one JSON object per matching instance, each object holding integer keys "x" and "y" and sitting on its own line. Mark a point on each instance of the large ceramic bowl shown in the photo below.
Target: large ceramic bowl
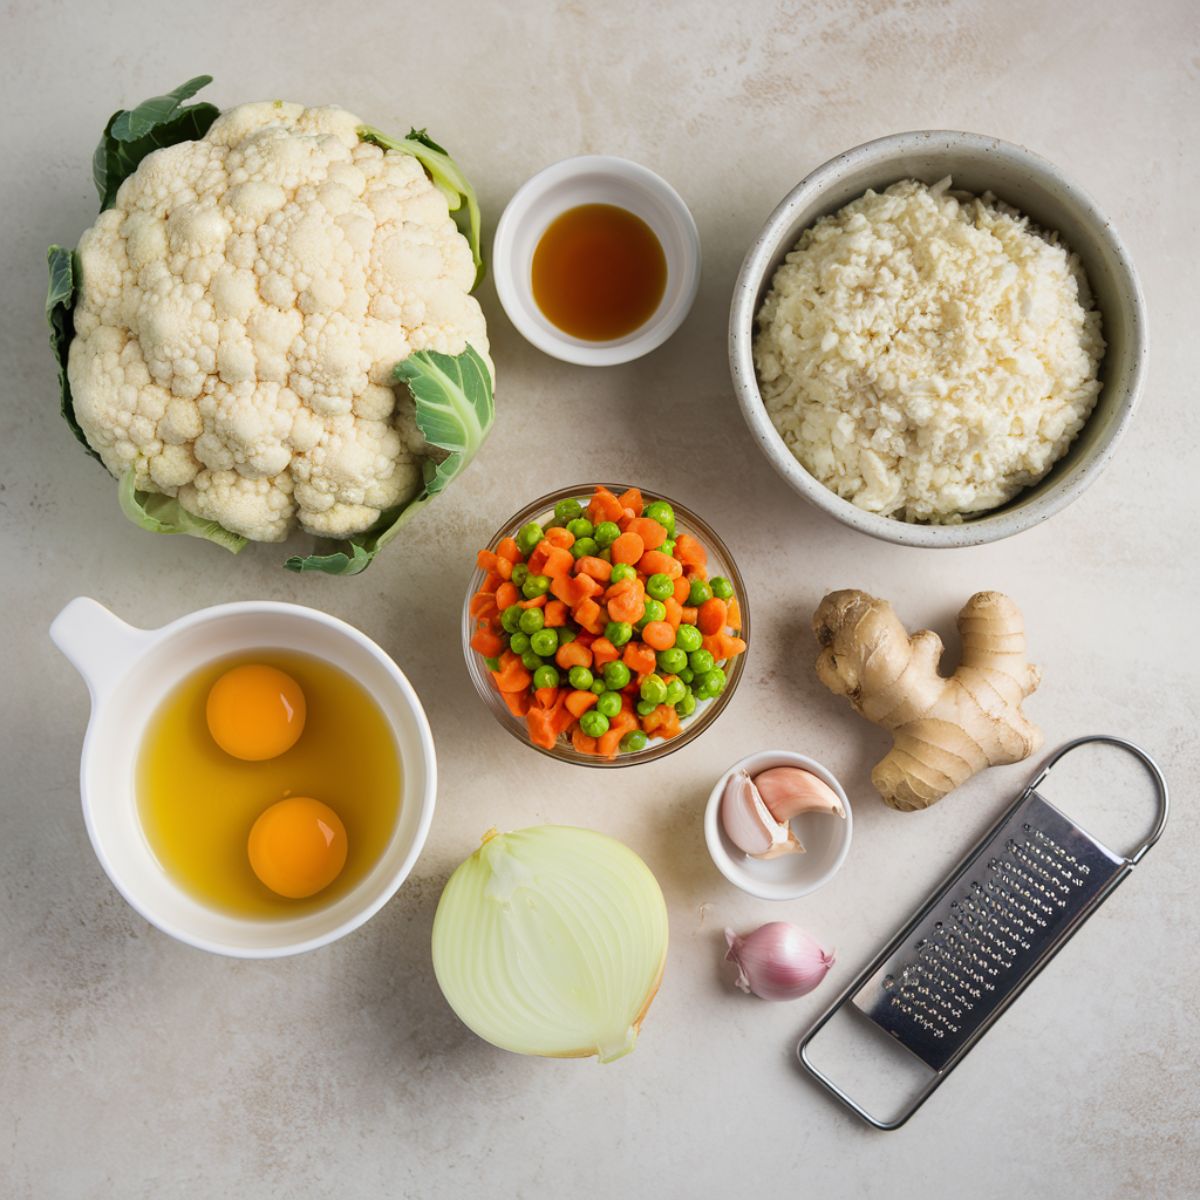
{"x": 1039, "y": 189}
{"x": 720, "y": 562}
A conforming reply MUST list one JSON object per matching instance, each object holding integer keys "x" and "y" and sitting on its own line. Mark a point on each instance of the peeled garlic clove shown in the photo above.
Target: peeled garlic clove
{"x": 750, "y": 826}
{"x": 787, "y": 791}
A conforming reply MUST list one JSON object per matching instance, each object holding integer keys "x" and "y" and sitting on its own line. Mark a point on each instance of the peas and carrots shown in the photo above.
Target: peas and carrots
{"x": 602, "y": 626}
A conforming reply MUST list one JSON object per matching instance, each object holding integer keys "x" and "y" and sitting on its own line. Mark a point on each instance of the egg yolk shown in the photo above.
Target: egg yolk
{"x": 255, "y": 712}
{"x": 297, "y": 847}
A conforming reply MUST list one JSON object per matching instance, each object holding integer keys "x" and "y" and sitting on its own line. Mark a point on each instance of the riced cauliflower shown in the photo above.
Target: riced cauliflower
{"x": 926, "y": 355}
{"x": 241, "y": 310}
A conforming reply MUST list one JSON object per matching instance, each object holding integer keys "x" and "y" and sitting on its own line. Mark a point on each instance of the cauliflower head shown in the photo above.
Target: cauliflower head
{"x": 240, "y": 313}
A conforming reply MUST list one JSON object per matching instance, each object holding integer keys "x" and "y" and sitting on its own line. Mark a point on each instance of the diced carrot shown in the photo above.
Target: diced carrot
{"x": 507, "y": 595}
{"x": 623, "y": 585}
{"x": 483, "y": 604}
{"x": 503, "y": 568}
{"x": 689, "y": 551}
{"x": 609, "y": 742}
{"x": 558, "y": 536}
{"x": 546, "y": 696}
{"x": 603, "y": 651}
{"x": 518, "y": 702}
{"x": 663, "y": 722}
{"x": 486, "y": 642}
{"x": 713, "y": 615}
{"x": 722, "y": 646}
{"x": 537, "y": 559}
{"x": 540, "y": 723}
{"x": 628, "y": 548}
{"x": 585, "y": 585}
{"x": 658, "y": 635}
{"x": 597, "y": 568}
{"x": 627, "y": 606}
{"x": 604, "y": 506}
{"x": 649, "y": 530}
{"x": 558, "y": 562}
{"x": 509, "y": 549}
{"x": 491, "y": 581}
{"x": 512, "y": 676}
{"x": 563, "y": 589}
{"x": 580, "y": 702}
{"x": 564, "y": 718}
{"x": 590, "y": 615}
{"x": 534, "y": 602}
{"x": 582, "y": 741}
{"x": 638, "y": 658}
{"x": 683, "y": 588}
{"x": 689, "y": 613}
{"x": 631, "y": 500}
{"x": 655, "y": 562}
{"x": 573, "y": 654}
{"x": 674, "y": 611}
{"x": 694, "y": 572}
{"x": 485, "y": 560}
{"x": 733, "y": 613}
{"x": 555, "y": 613}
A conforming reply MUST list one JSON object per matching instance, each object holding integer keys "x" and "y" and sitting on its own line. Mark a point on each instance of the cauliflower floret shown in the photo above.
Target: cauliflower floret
{"x": 242, "y": 309}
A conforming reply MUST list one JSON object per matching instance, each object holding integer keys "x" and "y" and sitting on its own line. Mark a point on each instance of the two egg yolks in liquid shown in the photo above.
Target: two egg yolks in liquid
{"x": 234, "y": 776}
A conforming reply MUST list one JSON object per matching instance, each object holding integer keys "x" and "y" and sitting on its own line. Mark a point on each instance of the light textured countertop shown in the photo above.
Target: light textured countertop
{"x": 131, "y": 1066}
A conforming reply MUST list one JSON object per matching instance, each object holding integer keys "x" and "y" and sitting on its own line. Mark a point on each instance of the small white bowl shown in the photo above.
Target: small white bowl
{"x": 826, "y": 838}
{"x": 595, "y": 179}
{"x": 130, "y": 671}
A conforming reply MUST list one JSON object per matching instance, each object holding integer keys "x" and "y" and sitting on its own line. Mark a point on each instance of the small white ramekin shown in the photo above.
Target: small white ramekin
{"x": 130, "y": 671}
{"x": 595, "y": 179}
{"x": 825, "y": 837}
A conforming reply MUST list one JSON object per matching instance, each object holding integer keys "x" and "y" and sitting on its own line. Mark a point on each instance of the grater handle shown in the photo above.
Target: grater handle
{"x": 1160, "y": 783}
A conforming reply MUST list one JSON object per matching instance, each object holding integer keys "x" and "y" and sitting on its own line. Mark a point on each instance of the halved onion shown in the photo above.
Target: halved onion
{"x": 552, "y": 941}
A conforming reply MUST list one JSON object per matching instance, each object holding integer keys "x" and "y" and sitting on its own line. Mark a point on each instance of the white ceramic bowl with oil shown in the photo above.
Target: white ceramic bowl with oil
{"x": 824, "y": 836}
{"x": 129, "y": 673}
{"x": 595, "y": 179}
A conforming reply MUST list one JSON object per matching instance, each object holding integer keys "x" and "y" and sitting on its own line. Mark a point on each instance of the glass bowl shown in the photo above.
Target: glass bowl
{"x": 720, "y": 562}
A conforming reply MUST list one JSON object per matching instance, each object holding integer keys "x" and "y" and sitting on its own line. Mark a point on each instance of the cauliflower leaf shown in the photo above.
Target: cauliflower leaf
{"x": 164, "y": 514}
{"x": 447, "y": 177}
{"x": 60, "y": 314}
{"x": 454, "y": 411}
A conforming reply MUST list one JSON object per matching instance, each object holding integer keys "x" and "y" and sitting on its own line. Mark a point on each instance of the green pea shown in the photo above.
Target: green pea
{"x": 544, "y": 642}
{"x": 609, "y": 704}
{"x": 686, "y": 675}
{"x": 605, "y": 555}
{"x": 660, "y": 586}
{"x": 546, "y": 676}
{"x": 492, "y": 664}
{"x": 510, "y": 618}
{"x": 715, "y": 680}
{"x": 584, "y": 546}
{"x": 633, "y": 741}
{"x": 646, "y": 707}
{"x": 699, "y": 593}
{"x": 675, "y": 692}
{"x": 663, "y": 513}
{"x": 520, "y": 573}
{"x": 623, "y": 571}
{"x": 581, "y": 527}
{"x": 529, "y": 536}
{"x": 721, "y": 587}
{"x": 568, "y": 510}
{"x": 607, "y": 532}
{"x": 565, "y": 635}
{"x": 654, "y": 612}
{"x": 535, "y": 585}
{"x": 593, "y": 723}
{"x": 654, "y": 690}
{"x": 616, "y": 675}
{"x": 618, "y": 632}
{"x": 672, "y": 661}
{"x": 519, "y": 642}
{"x": 580, "y": 678}
{"x": 687, "y": 705}
{"x": 668, "y": 547}
{"x": 532, "y": 619}
{"x": 531, "y": 661}
{"x": 701, "y": 661}
{"x": 688, "y": 638}
{"x": 598, "y": 688}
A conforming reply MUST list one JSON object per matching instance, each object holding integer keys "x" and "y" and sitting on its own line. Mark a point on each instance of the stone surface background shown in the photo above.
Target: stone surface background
{"x": 133, "y": 1067}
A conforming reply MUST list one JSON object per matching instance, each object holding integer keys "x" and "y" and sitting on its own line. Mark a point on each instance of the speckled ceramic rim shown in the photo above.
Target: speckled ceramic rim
{"x": 739, "y": 869}
{"x": 880, "y": 163}
{"x": 720, "y": 562}
{"x": 595, "y": 178}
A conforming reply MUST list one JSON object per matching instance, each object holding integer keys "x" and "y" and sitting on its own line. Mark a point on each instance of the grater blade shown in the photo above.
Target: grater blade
{"x": 987, "y": 930}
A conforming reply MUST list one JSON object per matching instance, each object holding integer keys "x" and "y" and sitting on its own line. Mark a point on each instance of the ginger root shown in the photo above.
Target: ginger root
{"x": 944, "y": 730}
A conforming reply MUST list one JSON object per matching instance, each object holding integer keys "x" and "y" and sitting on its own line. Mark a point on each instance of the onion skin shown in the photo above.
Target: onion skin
{"x": 777, "y": 961}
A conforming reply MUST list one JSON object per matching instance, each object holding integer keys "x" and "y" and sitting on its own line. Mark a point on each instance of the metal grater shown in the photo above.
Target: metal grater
{"x": 981, "y": 939}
